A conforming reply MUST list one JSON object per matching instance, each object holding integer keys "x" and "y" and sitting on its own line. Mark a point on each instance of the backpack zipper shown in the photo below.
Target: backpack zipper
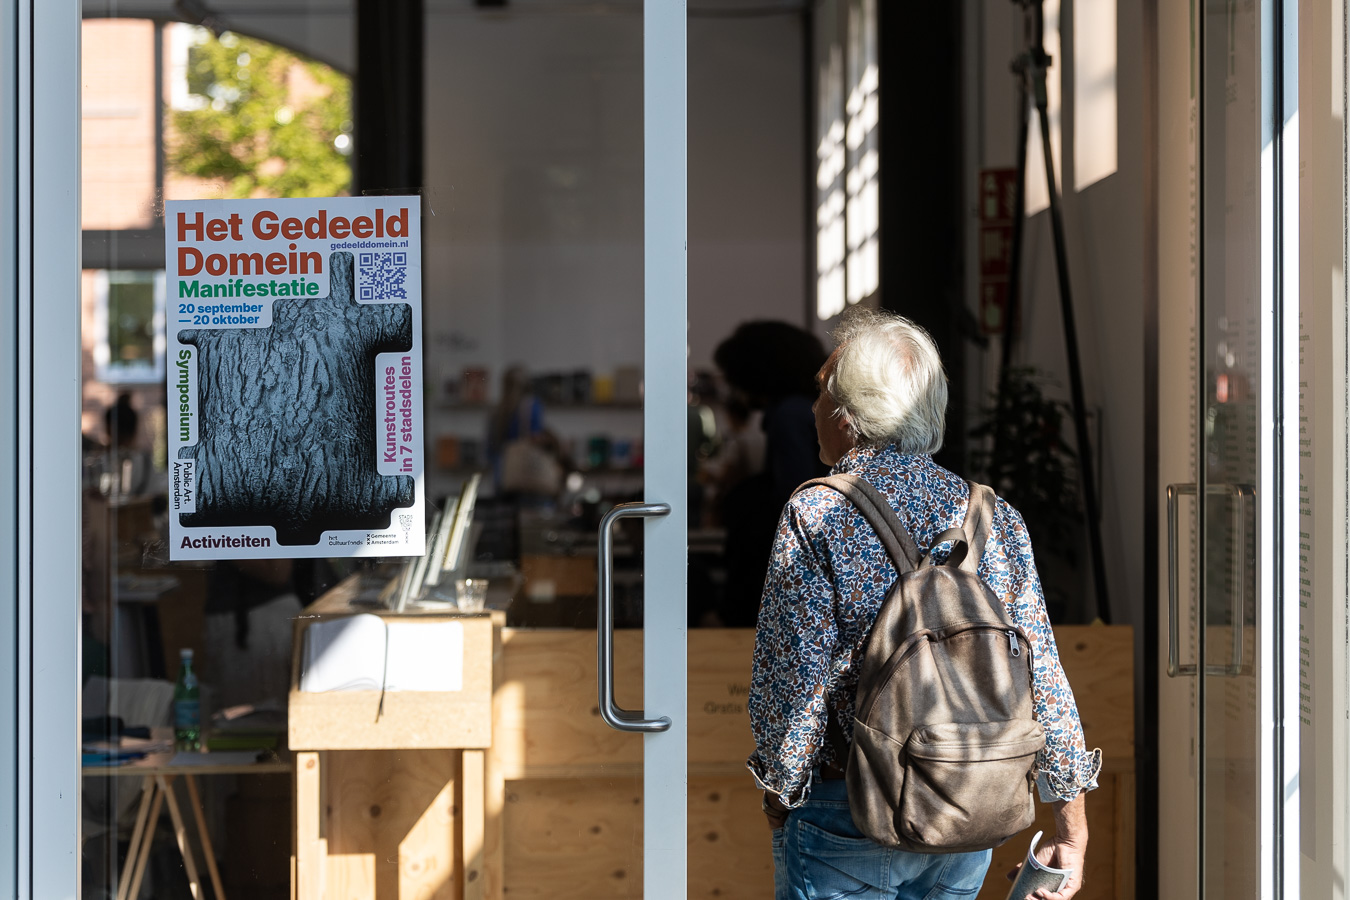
{"x": 902, "y": 656}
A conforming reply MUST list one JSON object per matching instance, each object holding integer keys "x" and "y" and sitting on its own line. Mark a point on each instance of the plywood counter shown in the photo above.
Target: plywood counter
{"x": 553, "y": 808}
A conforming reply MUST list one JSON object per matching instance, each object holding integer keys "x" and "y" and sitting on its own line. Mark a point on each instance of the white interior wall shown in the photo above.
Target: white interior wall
{"x": 534, "y": 189}
{"x": 1104, "y": 227}
{"x": 534, "y": 176}
{"x": 748, "y": 176}
{"x": 534, "y": 185}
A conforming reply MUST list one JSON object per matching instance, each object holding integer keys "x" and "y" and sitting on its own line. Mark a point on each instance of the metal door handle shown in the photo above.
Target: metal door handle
{"x": 1240, "y": 493}
{"x": 1174, "y": 666}
{"x": 620, "y": 719}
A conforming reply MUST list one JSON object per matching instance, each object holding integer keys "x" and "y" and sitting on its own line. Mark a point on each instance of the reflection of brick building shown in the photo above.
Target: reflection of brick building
{"x": 125, "y": 129}
{"x": 118, "y": 127}
{"x": 119, "y": 172}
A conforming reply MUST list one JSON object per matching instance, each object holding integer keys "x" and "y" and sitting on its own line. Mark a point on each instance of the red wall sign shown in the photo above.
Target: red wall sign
{"x": 997, "y": 194}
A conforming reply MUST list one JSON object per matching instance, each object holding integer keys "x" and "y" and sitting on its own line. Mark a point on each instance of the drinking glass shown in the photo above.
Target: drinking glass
{"x": 470, "y": 593}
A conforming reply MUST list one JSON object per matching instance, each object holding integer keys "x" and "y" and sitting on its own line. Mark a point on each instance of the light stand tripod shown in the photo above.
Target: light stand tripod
{"x": 1030, "y": 67}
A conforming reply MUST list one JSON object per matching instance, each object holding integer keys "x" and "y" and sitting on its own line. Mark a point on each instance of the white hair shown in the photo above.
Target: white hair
{"x": 888, "y": 383}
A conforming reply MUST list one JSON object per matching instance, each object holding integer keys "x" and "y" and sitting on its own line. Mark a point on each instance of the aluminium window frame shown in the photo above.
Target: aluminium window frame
{"x": 39, "y": 448}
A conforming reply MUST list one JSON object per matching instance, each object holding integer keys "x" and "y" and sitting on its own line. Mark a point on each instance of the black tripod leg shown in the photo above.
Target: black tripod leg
{"x": 1011, "y": 313}
{"x": 1085, "y": 462}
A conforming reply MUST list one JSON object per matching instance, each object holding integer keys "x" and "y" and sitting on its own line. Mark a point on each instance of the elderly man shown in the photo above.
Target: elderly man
{"x": 880, "y": 416}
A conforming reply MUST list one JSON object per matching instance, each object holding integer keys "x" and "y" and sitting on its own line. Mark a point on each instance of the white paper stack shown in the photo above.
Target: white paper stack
{"x": 425, "y": 656}
{"x": 344, "y": 655}
{"x": 366, "y": 653}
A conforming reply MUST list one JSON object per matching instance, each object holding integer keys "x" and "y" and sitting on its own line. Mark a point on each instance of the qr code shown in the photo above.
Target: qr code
{"x": 382, "y": 276}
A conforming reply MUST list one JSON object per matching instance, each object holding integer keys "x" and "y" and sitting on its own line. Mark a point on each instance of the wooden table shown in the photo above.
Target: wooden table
{"x": 157, "y": 772}
{"x": 420, "y": 746}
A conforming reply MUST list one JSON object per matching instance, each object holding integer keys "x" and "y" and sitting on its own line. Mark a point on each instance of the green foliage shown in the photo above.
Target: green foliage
{"x": 1025, "y": 459}
{"x": 268, "y": 122}
{"x": 131, "y": 321}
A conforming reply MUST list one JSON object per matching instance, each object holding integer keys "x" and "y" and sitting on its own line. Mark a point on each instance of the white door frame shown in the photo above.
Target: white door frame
{"x": 41, "y": 205}
{"x": 9, "y": 472}
{"x": 665, "y": 443}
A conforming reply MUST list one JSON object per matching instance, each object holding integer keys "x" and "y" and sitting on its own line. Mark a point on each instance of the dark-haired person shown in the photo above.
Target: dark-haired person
{"x": 770, "y": 367}
{"x": 129, "y": 463}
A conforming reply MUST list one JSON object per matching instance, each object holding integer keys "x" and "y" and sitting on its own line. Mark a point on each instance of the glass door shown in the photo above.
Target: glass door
{"x": 1235, "y": 387}
{"x": 534, "y": 157}
{"x": 1234, "y": 521}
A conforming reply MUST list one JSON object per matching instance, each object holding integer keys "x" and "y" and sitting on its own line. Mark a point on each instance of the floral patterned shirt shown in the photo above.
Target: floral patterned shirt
{"x": 828, "y": 576}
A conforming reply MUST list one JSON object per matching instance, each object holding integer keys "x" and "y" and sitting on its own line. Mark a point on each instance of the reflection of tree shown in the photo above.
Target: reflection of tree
{"x": 131, "y": 321}
{"x": 269, "y": 124}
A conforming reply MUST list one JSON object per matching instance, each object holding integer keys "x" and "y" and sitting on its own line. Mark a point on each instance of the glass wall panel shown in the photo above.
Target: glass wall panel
{"x": 530, "y": 186}
{"x": 1232, "y": 385}
{"x": 533, "y": 400}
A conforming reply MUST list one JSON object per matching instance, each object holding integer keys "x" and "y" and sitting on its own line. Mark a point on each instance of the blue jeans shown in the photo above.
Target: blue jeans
{"x": 820, "y": 855}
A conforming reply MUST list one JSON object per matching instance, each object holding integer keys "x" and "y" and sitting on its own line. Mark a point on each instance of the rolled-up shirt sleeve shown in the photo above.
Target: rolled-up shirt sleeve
{"x": 794, "y": 646}
{"x": 1065, "y": 767}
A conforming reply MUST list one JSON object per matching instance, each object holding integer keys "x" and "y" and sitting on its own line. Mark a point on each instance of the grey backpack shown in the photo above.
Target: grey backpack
{"x": 944, "y": 740}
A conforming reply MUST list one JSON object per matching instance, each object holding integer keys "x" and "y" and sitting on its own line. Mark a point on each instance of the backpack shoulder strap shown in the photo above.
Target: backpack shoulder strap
{"x": 876, "y": 509}
{"x": 979, "y": 519}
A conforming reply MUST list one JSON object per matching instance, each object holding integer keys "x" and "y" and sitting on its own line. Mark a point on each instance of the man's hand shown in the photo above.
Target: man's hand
{"x": 775, "y": 811}
{"x": 1067, "y": 849}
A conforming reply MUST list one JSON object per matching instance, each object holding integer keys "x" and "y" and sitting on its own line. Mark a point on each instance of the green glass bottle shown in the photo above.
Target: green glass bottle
{"x": 187, "y": 706}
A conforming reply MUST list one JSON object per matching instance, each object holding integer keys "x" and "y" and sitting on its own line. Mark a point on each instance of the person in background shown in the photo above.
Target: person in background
{"x": 519, "y": 415}
{"x": 703, "y": 442}
{"x": 770, "y": 367}
{"x": 880, "y": 416}
{"x": 525, "y": 456}
{"x": 250, "y": 607}
{"x": 129, "y": 465}
{"x": 740, "y": 452}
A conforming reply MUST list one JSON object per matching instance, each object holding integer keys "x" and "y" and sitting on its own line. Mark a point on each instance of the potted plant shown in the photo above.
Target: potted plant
{"x": 1021, "y": 453}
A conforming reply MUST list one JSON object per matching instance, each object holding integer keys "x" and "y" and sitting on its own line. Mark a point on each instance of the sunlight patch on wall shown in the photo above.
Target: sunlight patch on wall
{"x": 830, "y": 165}
{"x": 848, "y": 201}
{"x": 1094, "y": 91}
{"x": 864, "y": 162}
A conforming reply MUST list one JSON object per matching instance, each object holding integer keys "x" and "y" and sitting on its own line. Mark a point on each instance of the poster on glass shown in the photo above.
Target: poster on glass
{"x": 294, "y": 371}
